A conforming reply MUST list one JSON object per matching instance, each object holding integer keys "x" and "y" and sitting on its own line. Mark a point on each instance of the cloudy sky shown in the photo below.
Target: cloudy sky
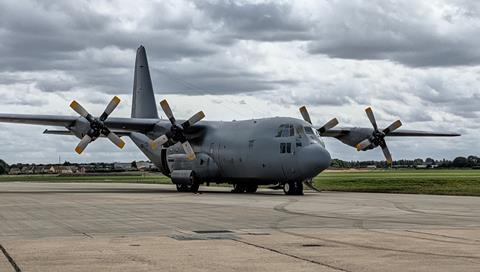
{"x": 417, "y": 61}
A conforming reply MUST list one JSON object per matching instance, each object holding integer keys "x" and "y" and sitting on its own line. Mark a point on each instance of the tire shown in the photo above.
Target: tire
{"x": 238, "y": 188}
{"x": 193, "y": 188}
{"x": 251, "y": 188}
{"x": 293, "y": 188}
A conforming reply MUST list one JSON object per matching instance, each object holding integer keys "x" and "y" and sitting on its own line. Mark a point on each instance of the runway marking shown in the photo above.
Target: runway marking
{"x": 292, "y": 256}
{"x": 10, "y": 259}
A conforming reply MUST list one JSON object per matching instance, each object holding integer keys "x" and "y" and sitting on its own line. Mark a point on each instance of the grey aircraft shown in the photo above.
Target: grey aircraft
{"x": 280, "y": 151}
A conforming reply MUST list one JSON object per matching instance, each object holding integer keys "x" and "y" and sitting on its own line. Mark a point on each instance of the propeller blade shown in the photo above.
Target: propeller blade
{"x": 79, "y": 109}
{"x": 330, "y": 124}
{"x": 363, "y": 144}
{"x": 115, "y": 139}
{"x": 110, "y": 107}
{"x": 159, "y": 141}
{"x": 371, "y": 117}
{"x": 305, "y": 115}
{"x": 188, "y": 150}
{"x": 386, "y": 152}
{"x": 392, "y": 127}
{"x": 168, "y": 111}
{"x": 83, "y": 144}
{"x": 194, "y": 119}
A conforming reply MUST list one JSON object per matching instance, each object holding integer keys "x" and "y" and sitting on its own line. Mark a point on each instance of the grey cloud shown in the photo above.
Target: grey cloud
{"x": 198, "y": 79}
{"x": 404, "y": 32}
{"x": 264, "y": 21}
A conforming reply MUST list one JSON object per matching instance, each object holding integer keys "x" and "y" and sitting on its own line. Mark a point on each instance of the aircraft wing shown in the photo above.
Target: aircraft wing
{"x": 419, "y": 133}
{"x": 126, "y": 124}
{"x": 340, "y": 132}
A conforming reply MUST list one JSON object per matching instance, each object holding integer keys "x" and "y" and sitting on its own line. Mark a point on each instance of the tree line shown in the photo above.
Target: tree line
{"x": 458, "y": 162}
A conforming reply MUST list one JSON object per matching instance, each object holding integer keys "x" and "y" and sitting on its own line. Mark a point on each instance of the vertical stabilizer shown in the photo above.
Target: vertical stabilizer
{"x": 143, "y": 105}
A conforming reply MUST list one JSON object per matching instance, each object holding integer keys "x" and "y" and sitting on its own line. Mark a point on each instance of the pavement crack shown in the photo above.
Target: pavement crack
{"x": 10, "y": 259}
{"x": 292, "y": 256}
{"x": 406, "y": 251}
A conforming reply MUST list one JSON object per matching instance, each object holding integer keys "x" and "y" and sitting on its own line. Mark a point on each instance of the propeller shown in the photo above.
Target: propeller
{"x": 176, "y": 132}
{"x": 378, "y": 136}
{"x": 306, "y": 116}
{"x": 330, "y": 124}
{"x": 97, "y": 126}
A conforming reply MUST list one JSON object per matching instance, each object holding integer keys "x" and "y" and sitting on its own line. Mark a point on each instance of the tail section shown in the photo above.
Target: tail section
{"x": 143, "y": 105}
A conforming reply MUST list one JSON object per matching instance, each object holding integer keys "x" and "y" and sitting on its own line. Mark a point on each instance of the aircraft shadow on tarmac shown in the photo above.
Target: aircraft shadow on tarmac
{"x": 91, "y": 190}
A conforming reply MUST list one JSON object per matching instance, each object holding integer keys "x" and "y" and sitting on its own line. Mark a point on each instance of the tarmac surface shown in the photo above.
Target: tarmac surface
{"x": 140, "y": 227}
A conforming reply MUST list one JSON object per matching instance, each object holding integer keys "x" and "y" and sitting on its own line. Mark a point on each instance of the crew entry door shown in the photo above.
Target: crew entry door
{"x": 287, "y": 150}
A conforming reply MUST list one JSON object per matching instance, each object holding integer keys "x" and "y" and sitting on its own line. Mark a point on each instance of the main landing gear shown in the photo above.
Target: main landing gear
{"x": 293, "y": 188}
{"x": 192, "y": 188}
{"x": 244, "y": 188}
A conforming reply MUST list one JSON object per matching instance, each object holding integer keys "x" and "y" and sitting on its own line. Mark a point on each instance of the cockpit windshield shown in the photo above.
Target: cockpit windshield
{"x": 285, "y": 130}
{"x": 312, "y": 132}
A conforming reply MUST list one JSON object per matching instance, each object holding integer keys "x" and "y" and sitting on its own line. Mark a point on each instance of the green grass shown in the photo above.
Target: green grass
{"x": 148, "y": 178}
{"x": 442, "y": 182}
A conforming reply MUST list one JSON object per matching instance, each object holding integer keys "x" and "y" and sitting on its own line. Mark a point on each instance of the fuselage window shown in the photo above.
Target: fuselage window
{"x": 285, "y": 148}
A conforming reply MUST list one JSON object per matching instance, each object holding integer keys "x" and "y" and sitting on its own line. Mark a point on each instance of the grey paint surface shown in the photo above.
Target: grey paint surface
{"x": 144, "y": 105}
{"x": 140, "y": 227}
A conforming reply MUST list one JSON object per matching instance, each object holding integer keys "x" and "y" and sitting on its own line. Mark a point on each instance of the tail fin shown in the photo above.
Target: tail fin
{"x": 143, "y": 105}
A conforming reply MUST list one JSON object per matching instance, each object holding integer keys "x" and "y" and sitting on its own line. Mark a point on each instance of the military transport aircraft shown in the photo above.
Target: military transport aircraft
{"x": 280, "y": 151}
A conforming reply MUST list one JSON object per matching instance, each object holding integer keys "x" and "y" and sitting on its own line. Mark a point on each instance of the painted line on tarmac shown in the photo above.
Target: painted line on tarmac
{"x": 10, "y": 259}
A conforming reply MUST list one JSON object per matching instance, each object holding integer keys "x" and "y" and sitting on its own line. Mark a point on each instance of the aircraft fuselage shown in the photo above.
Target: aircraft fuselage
{"x": 262, "y": 151}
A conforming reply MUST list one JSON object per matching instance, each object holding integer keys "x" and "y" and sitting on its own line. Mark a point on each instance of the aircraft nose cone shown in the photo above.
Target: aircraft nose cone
{"x": 314, "y": 159}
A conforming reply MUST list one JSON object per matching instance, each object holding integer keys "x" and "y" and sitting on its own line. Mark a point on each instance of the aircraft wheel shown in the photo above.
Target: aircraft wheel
{"x": 293, "y": 188}
{"x": 251, "y": 188}
{"x": 188, "y": 188}
{"x": 238, "y": 188}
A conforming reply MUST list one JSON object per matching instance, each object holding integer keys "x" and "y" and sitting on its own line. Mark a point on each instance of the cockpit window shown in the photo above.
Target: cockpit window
{"x": 312, "y": 132}
{"x": 309, "y": 131}
{"x": 285, "y": 130}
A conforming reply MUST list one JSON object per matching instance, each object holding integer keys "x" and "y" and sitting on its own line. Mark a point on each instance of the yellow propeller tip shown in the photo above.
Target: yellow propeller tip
{"x": 121, "y": 144}
{"x": 78, "y": 150}
{"x": 74, "y": 104}
{"x": 116, "y": 99}
{"x": 153, "y": 145}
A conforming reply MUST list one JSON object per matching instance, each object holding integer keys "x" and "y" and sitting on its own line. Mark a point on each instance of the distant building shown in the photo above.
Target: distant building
{"x": 122, "y": 166}
{"x": 145, "y": 166}
{"x": 15, "y": 171}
